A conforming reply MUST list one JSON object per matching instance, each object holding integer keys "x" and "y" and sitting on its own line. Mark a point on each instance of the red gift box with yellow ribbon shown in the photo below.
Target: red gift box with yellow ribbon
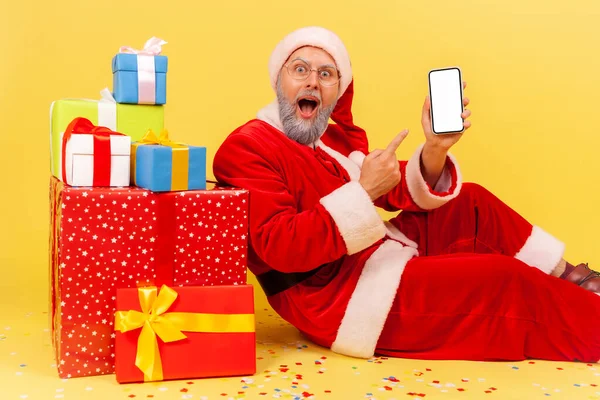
{"x": 103, "y": 239}
{"x": 184, "y": 332}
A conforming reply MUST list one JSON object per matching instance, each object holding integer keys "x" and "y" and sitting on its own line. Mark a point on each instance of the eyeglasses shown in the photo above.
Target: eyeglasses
{"x": 300, "y": 70}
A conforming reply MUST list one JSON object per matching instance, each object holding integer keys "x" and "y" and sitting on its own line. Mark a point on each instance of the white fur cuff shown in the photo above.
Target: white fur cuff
{"x": 541, "y": 250}
{"x": 355, "y": 216}
{"x": 447, "y": 188}
{"x": 357, "y": 157}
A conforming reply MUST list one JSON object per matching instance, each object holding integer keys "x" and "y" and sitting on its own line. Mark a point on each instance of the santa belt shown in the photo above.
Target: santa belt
{"x": 275, "y": 282}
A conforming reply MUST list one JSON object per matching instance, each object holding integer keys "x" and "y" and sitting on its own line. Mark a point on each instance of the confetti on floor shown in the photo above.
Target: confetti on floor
{"x": 288, "y": 367}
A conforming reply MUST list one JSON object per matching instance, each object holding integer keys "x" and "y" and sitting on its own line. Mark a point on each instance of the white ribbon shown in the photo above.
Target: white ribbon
{"x": 107, "y": 110}
{"x": 146, "y": 68}
{"x": 146, "y": 79}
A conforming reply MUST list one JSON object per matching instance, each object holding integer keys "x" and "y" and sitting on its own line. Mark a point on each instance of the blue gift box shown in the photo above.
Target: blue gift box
{"x": 164, "y": 168}
{"x": 128, "y": 75}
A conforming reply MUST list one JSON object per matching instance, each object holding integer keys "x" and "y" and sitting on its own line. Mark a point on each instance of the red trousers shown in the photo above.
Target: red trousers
{"x": 469, "y": 295}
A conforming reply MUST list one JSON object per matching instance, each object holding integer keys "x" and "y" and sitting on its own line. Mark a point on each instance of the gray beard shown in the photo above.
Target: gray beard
{"x": 302, "y": 131}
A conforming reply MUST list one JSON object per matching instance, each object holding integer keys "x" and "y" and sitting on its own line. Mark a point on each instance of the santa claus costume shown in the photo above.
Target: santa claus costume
{"x": 456, "y": 275}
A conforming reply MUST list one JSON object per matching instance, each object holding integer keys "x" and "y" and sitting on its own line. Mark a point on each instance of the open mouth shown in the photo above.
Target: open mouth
{"x": 307, "y": 106}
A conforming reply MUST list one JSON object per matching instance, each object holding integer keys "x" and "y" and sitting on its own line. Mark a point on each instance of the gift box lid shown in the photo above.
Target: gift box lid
{"x": 128, "y": 62}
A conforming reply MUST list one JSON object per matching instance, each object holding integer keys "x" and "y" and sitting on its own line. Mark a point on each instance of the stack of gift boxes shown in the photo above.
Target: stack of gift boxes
{"x": 147, "y": 265}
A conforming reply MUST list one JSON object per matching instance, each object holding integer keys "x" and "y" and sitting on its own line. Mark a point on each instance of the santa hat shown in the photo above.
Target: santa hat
{"x": 317, "y": 37}
{"x": 322, "y": 38}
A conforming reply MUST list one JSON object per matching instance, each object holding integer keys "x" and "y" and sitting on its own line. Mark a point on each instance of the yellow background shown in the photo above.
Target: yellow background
{"x": 531, "y": 66}
{"x": 532, "y": 72}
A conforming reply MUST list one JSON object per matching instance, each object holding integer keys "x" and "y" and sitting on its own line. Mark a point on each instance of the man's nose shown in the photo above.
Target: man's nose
{"x": 313, "y": 80}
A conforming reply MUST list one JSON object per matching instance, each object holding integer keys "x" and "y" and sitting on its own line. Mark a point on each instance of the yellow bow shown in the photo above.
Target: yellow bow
{"x": 155, "y": 321}
{"x": 162, "y": 139}
{"x": 180, "y": 158}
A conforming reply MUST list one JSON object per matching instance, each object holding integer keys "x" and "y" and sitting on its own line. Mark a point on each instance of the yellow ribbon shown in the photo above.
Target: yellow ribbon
{"x": 180, "y": 157}
{"x": 156, "y": 321}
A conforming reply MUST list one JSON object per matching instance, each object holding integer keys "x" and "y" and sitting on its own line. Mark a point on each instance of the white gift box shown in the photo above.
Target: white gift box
{"x": 79, "y": 160}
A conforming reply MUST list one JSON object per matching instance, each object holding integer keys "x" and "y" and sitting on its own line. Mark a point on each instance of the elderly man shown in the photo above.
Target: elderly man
{"x": 456, "y": 275}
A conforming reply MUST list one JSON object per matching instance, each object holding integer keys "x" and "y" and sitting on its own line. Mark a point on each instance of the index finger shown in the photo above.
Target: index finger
{"x": 395, "y": 143}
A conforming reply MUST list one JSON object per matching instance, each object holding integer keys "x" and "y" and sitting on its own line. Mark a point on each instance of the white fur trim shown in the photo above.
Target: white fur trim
{"x": 395, "y": 233}
{"x": 372, "y": 300}
{"x": 357, "y": 157}
{"x": 355, "y": 216}
{"x": 418, "y": 188}
{"x": 351, "y": 167}
{"x": 317, "y": 37}
{"x": 541, "y": 250}
{"x": 270, "y": 115}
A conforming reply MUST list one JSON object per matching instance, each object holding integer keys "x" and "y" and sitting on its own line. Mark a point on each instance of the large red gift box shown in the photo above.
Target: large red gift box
{"x": 183, "y": 333}
{"x": 103, "y": 239}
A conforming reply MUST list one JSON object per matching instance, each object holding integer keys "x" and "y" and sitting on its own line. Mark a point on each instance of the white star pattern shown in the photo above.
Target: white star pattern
{"x": 122, "y": 226}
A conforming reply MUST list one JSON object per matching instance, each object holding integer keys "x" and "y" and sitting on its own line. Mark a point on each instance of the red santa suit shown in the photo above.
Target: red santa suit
{"x": 456, "y": 275}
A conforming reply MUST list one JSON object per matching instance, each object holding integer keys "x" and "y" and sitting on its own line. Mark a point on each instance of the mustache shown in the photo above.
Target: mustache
{"x": 313, "y": 93}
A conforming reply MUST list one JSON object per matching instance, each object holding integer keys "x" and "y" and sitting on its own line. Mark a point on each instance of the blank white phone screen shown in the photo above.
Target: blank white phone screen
{"x": 446, "y": 100}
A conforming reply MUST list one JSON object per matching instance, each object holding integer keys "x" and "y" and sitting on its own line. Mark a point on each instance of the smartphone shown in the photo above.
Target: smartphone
{"x": 446, "y": 94}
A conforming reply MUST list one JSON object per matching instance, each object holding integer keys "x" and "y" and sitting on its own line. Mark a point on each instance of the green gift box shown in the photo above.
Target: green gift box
{"x": 131, "y": 119}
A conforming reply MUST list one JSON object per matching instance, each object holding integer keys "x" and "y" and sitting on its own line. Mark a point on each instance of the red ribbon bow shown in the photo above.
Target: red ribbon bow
{"x": 102, "y": 150}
